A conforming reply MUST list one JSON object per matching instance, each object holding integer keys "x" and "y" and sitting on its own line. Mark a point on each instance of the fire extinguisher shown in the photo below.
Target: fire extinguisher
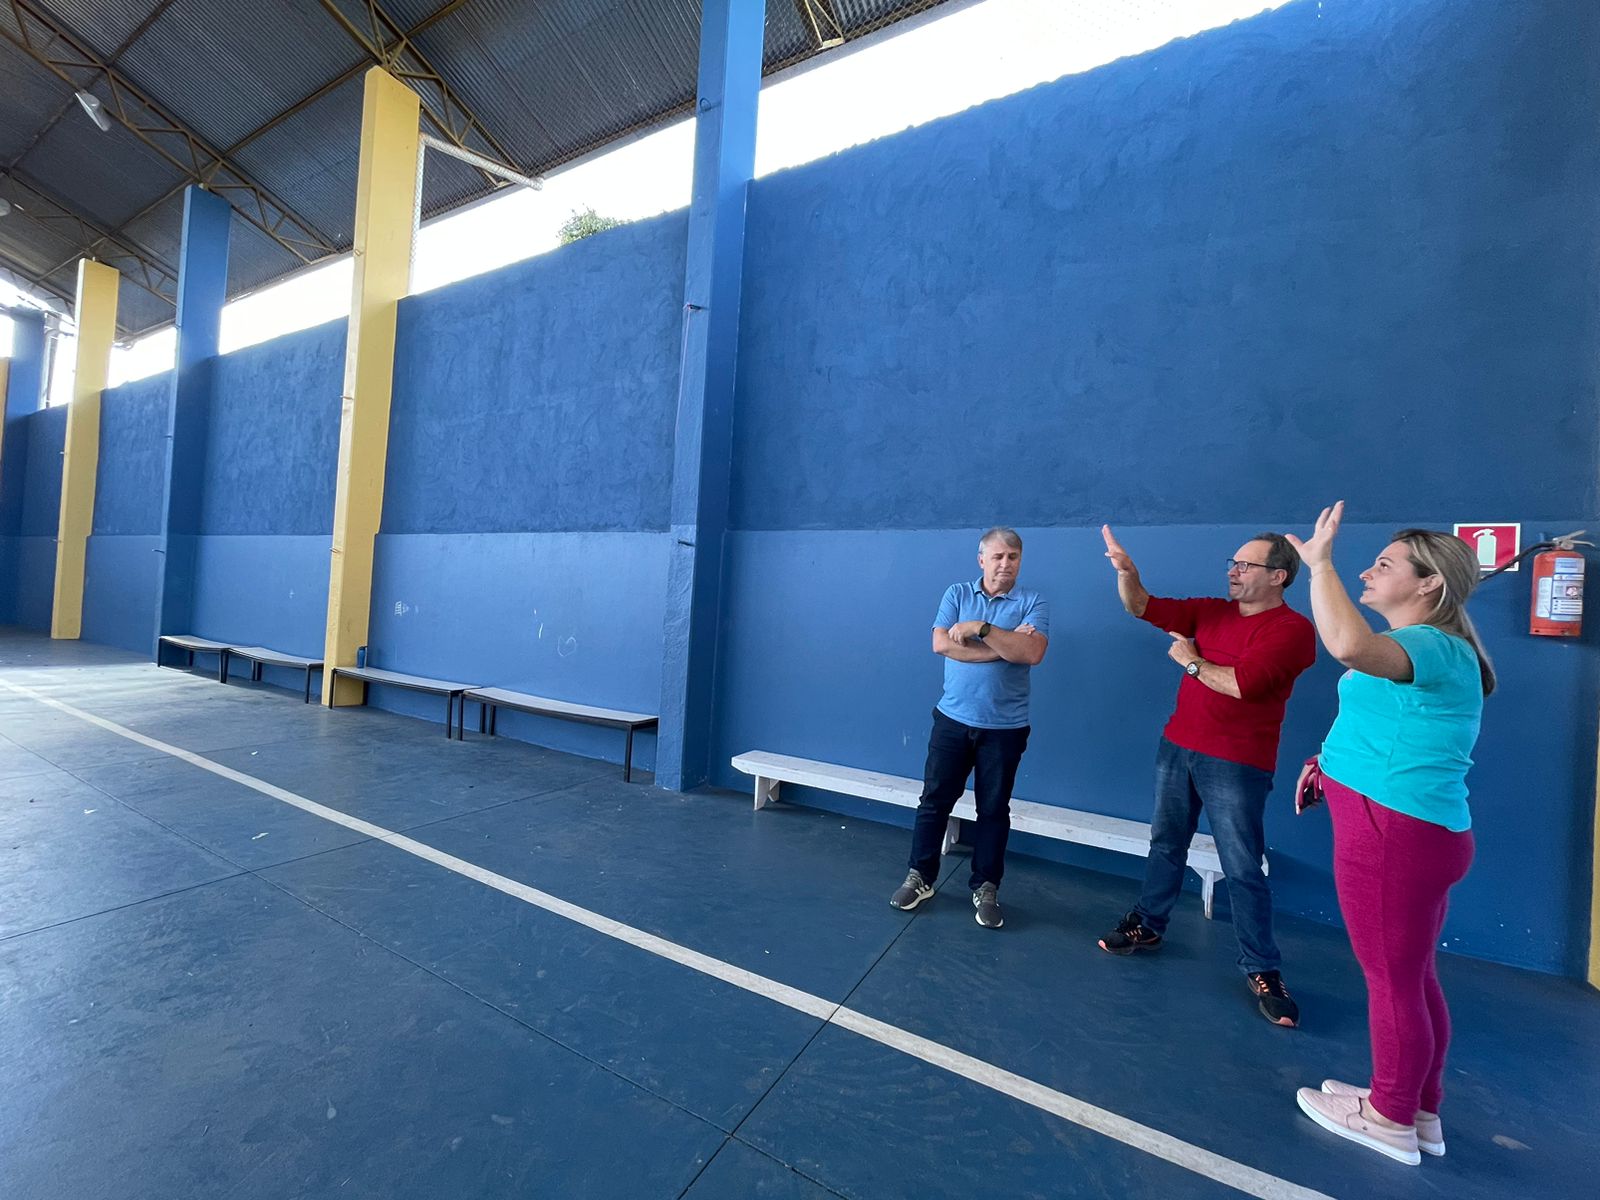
{"x": 1557, "y": 608}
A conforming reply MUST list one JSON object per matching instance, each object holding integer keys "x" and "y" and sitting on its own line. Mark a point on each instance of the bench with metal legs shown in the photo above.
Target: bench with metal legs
{"x": 416, "y": 683}
{"x": 261, "y": 656}
{"x": 191, "y": 646}
{"x": 491, "y": 700}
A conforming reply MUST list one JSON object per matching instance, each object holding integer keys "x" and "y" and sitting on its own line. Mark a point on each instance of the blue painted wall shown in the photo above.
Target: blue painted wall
{"x": 1338, "y": 250}
{"x": 273, "y": 443}
{"x": 530, "y": 463}
{"x": 540, "y": 397}
{"x": 30, "y": 555}
{"x": 122, "y": 570}
{"x": 261, "y": 557}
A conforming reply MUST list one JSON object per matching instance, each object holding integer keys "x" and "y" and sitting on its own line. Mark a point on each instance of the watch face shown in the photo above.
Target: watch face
{"x": 1192, "y": 669}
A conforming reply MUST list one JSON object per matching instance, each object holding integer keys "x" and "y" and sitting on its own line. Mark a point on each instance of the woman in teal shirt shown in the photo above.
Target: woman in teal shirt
{"x": 1393, "y": 769}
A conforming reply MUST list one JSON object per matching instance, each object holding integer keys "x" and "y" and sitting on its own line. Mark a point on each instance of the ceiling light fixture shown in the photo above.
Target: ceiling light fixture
{"x": 96, "y": 110}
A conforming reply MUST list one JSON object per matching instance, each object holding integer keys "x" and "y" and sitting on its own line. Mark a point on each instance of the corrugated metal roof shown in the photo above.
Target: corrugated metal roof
{"x": 33, "y": 97}
{"x": 103, "y": 24}
{"x": 276, "y": 89}
{"x": 225, "y": 67}
{"x": 106, "y": 176}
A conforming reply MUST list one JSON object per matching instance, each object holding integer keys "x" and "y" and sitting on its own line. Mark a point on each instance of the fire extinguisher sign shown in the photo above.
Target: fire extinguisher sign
{"x": 1494, "y": 544}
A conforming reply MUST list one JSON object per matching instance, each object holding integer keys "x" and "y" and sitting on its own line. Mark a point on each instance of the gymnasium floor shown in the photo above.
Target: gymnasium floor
{"x": 225, "y": 973}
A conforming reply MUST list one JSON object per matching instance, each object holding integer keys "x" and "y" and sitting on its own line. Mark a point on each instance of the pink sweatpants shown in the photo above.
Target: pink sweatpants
{"x": 1393, "y": 873}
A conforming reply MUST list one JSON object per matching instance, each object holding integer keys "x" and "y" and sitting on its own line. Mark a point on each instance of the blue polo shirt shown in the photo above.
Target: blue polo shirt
{"x": 989, "y": 695}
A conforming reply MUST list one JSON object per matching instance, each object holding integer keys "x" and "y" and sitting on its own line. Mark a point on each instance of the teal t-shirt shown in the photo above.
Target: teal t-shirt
{"x": 1408, "y": 746}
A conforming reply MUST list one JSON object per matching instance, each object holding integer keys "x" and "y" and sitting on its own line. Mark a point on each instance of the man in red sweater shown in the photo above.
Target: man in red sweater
{"x": 1240, "y": 658}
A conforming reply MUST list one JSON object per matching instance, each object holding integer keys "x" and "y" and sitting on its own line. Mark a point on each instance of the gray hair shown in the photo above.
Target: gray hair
{"x": 1005, "y": 534}
{"x": 1281, "y": 556}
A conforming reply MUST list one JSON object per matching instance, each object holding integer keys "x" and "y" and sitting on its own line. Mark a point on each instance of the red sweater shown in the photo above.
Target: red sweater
{"x": 1267, "y": 652}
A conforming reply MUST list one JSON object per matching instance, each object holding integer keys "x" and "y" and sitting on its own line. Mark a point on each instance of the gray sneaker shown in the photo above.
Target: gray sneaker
{"x": 987, "y": 901}
{"x": 911, "y": 893}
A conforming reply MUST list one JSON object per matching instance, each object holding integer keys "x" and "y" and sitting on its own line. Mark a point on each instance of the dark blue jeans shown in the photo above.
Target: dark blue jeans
{"x": 1235, "y": 799}
{"x": 955, "y": 751}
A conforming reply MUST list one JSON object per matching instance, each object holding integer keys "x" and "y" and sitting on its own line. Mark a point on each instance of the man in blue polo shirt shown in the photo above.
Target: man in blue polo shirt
{"x": 990, "y": 632}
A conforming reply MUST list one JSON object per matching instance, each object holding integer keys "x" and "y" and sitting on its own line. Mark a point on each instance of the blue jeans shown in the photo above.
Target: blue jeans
{"x": 956, "y": 750}
{"x": 1234, "y": 796}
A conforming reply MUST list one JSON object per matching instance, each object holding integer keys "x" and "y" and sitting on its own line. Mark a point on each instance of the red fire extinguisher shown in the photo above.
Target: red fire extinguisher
{"x": 1557, "y": 609}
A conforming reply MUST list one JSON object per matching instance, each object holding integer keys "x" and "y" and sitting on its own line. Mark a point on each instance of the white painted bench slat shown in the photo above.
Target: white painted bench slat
{"x": 1027, "y": 816}
{"x": 420, "y": 683}
{"x": 186, "y": 641}
{"x": 558, "y": 708}
{"x": 273, "y": 658}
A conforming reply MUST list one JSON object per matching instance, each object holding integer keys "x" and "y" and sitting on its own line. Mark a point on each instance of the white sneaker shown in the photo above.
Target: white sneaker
{"x": 1430, "y": 1130}
{"x": 1342, "y": 1115}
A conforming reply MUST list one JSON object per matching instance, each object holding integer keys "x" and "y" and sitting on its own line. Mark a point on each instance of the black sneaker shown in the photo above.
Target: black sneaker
{"x": 1276, "y": 1004}
{"x": 1130, "y": 935}
{"x": 910, "y": 893}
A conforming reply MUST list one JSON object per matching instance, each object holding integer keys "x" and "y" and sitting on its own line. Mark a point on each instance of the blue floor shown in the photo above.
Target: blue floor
{"x": 206, "y": 992}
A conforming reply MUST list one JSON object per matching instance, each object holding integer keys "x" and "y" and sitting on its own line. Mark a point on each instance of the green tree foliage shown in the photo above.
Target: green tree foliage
{"x": 582, "y": 224}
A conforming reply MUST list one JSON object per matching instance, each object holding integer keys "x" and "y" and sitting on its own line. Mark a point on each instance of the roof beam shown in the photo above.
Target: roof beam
{"x": 265, "y": 127}
{"x": 72, "y": 101}
{"x": 31, "y": 290}
{"x": 43, "y": 38}
{"x": 826, "y": 28}
{"x": 136, "y": 264}
{"x": 391, "y": 48}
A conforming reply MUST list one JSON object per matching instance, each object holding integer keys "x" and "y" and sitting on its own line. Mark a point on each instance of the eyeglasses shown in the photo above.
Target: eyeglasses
{"x": 1239, "y": 564}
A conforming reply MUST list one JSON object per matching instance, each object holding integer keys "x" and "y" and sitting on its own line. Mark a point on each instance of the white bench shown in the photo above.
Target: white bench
{"x": 449, "y": 689}
{"x": 191, "y": 646}
{"x": 1042, "y": 820}
{"x": 262, "y": 656}
{"x": 491, "y": 699}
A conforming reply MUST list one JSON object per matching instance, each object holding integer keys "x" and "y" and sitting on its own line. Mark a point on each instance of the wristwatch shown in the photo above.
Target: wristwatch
{"x": 983, "y": 630}
{"x": 1192, "y": 669}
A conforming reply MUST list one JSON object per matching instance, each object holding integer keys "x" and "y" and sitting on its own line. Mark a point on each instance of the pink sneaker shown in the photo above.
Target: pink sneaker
{"x": 1342, "y": 1115}
{"x": 1430, "y": 1130}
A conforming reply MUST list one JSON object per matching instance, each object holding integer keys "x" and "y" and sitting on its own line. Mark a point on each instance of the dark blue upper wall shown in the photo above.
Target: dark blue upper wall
{"x": 133, "y": 440}
{"x": 541, "y": 397}
{"x": 1344, "y": 247}
{"x": 41, "y": 485}
{"x": 273, "y": 447}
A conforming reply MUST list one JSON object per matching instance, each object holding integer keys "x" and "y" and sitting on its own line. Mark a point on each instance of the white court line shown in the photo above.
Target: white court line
{"x": 1080, "y": 1112}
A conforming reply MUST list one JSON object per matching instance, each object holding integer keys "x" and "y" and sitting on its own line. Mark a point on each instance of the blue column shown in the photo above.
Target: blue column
{"x": 202, "y": 288}
{"x": 724, "y": 161}
{"x": 24, "y": 397}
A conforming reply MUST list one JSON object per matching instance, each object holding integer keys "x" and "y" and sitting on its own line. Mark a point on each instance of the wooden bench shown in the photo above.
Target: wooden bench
{"x": 1042, "y": 820}
{"x": 490, "y": 700}
{"x": 191, "y": 646}
{"x": 261, "y": 656}
{"x": 415, "y": 683}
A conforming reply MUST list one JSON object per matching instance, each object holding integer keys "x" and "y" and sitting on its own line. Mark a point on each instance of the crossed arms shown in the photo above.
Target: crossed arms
{"x": 1024, "y": 644}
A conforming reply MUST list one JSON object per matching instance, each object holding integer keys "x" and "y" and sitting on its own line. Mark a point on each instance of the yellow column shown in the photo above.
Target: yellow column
{"x": 1594, "y": 895}
{"x": 96, "y": 314}
{"x": 386, "y": 189}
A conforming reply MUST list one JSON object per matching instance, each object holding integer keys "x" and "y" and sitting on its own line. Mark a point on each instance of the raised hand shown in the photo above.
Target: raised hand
{"x": 1318, "y": 549}
{"x": 1118, "y": 556}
